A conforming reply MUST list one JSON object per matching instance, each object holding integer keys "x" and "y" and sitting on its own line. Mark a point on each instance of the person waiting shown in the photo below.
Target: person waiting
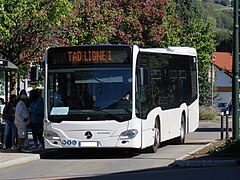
{"x": 36, "y": 118}
{"x": 9, "y": 115}
{"x": 21, "y": 121}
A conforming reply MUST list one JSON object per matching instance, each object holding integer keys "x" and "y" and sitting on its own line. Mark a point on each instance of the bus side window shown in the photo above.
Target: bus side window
{"x": 143, "y": 97}
{"x": 144, "y": 76}
{"x": 144, "y": 81}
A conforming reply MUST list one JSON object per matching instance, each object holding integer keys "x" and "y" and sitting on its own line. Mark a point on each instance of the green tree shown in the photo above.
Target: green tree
{"x": 225, "y": 40}
{"x": 27, "y": 27}
{"x": 89, "y": 23}
{"x": 226, "y": 2}
{"x": 173, "y": 27}
{"x": 147, "y": 23}
{"x": 224, "y": 24}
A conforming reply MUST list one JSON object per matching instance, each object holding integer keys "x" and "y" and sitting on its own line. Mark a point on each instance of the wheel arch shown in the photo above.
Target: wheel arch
{"x": 186, "y": 121}
{"x": 158, "y": 120}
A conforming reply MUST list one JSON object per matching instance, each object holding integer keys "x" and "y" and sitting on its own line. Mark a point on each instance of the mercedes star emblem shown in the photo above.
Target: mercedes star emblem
{"x": 88, "y": 135}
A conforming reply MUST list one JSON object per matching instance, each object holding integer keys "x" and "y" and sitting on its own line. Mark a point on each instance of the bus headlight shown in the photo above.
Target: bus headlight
{"x": 129, "y": 134}
{"x": 51, "y": 135}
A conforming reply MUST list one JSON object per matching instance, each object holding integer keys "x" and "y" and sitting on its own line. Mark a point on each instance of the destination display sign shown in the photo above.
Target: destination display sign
{"x": 89, "y": 55}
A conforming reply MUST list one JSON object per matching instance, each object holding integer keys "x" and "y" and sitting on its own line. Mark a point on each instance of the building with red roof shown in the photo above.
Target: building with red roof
{"x": 222, "y": 62}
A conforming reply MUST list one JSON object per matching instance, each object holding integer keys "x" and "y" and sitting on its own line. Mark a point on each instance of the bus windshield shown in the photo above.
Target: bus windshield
{"x": 85, "y": 94}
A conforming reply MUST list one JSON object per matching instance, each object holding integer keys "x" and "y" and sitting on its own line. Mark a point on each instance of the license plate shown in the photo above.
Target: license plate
{"x": 89, "y": 144}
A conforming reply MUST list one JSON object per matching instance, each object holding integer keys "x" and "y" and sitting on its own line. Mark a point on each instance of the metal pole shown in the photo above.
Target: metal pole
{"x": 222, "y": 125}
{"x": 235, "y": 70}
{"x": 212, "y": 72}
{"x": 6, "y": 86}
{"x": 227, "y": 129}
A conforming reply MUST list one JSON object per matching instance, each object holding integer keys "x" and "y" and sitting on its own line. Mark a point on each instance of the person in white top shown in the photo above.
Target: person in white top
{"x": 21, "y": 121}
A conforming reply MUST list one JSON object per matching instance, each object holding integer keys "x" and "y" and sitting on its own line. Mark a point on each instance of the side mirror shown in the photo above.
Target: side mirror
{"x": 144, "y": 76}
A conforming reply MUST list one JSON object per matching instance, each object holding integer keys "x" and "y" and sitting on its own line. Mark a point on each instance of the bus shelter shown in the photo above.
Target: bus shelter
{"x": 6, "y": 67}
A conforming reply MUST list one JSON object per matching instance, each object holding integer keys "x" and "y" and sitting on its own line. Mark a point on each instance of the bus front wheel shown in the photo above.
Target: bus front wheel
{"x": 155, "y": 146}
{"x": 181, "y": 138}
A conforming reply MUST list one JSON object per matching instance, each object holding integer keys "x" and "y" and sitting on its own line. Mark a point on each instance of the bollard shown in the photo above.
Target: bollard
{"x": 222, "y": 113}
{"x": 1, "y": 132}
{"x": 227, "y": 129}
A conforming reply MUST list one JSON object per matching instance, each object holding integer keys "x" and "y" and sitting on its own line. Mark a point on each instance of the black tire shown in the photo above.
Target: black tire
{"x": 181, "y": 138}
{"x": 155, "y": 146}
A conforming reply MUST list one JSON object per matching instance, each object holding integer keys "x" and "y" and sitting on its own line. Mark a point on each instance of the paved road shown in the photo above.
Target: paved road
{"x": 217, "y": 173}
{"x": 209, "y": 130}
{"x": 100, "y": 163}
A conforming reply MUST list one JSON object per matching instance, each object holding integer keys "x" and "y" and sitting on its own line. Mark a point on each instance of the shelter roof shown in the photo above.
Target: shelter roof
{"x": 6, "y": 65}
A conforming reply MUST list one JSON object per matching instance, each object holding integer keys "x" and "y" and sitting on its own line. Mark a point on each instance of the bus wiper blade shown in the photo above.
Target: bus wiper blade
{"x": 97, "y": 79}
{"x": 110, "y": 114}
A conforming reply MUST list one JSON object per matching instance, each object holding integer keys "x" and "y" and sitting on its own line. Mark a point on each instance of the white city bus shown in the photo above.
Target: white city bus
{"x": 86, "y": 86}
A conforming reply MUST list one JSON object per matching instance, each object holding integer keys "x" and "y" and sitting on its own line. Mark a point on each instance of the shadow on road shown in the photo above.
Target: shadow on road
{"x": 88, "y": 153}
{"x": 166, "y": 173}
{"x": 211, "y": 129}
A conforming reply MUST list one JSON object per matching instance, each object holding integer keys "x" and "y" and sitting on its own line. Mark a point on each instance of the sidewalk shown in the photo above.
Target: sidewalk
{"x": 10, "y": 158}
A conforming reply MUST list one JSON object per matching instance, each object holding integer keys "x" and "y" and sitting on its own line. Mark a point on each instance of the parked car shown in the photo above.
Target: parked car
{"x": 223, "y": 107}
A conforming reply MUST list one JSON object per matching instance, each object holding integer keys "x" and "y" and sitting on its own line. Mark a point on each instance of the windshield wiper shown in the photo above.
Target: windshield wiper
{"x": 101, "y": 82}
{"x": 109, "y": 114}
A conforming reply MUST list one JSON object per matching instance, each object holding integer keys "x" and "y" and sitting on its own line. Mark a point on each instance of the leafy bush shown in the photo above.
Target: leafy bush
{"x": 231, "y": 148}
{"x": 207, "y": 113}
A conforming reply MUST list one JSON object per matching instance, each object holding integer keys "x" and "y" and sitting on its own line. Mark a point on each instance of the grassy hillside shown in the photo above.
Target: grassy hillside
{"x": 222, "y": 14}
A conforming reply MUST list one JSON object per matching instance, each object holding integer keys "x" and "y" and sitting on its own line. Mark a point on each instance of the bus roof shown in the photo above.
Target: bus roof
{"x": 188, "y": 51}
{"x": 172, "y": 50}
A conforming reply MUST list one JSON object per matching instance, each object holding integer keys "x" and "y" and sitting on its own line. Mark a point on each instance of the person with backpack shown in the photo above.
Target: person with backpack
{"x": 9, "y": 115}
{"x": 36, "y": 118}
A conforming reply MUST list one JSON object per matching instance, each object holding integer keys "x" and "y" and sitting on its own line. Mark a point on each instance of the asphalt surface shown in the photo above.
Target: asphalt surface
{"x": 10, "y": 158}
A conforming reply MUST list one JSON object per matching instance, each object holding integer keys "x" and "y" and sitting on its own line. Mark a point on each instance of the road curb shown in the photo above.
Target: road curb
{"x": 181, "y": 162}
{"x": 193, "y": 152}
{"x": 204, "y": 163}
{"x": 19, "y": 161}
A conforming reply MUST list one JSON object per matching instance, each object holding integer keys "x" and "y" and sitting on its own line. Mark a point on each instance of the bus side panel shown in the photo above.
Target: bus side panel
{"x": 170, "y": 123}
{"x": 193, "y": 116}
{"x": 148, "y": 128}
